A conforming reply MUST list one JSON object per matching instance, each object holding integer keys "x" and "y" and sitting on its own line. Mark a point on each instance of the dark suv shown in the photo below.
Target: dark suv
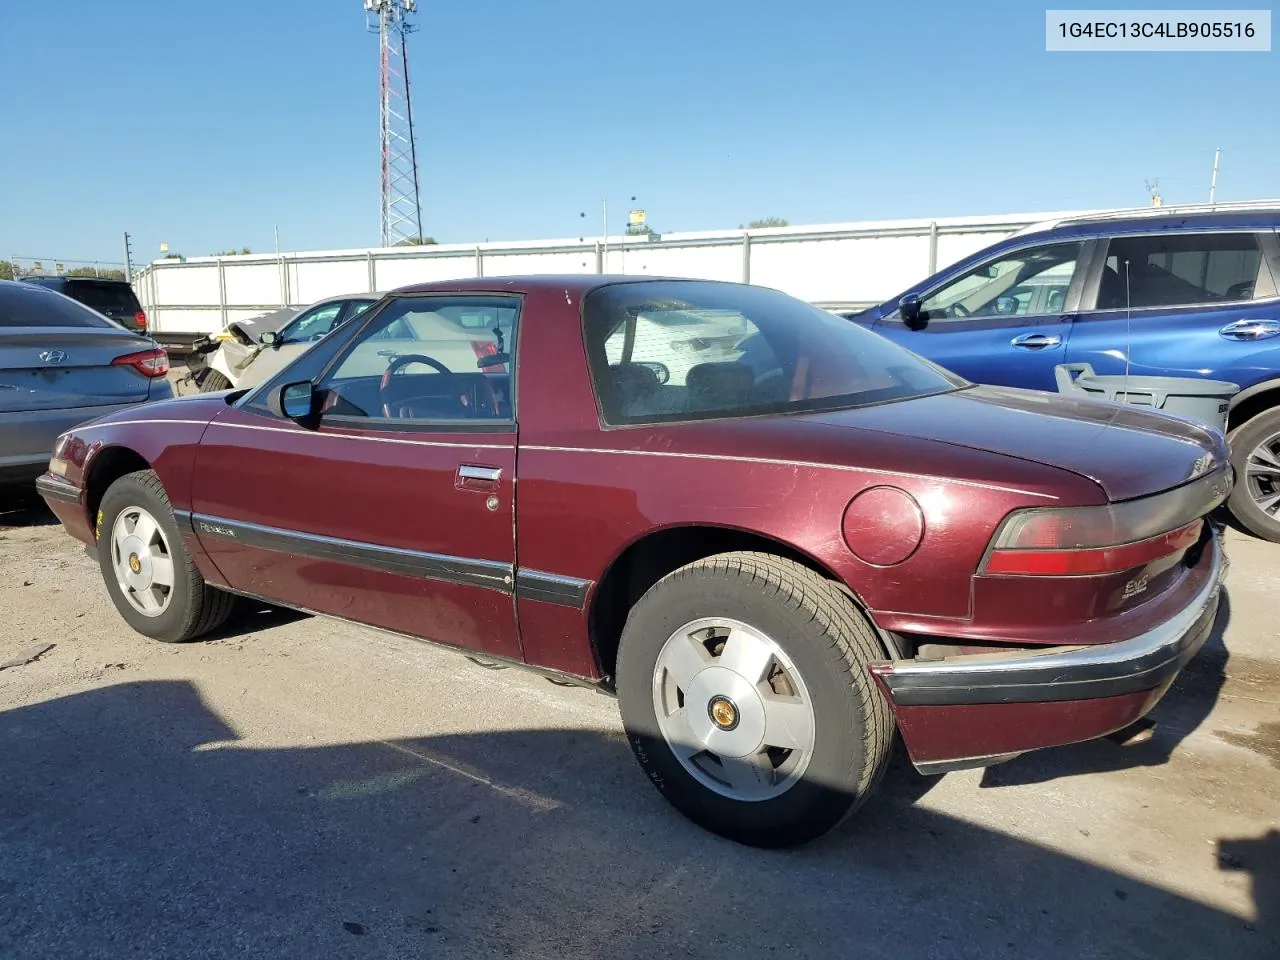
{"x": 112, "y": 298}
{"x": 1181, "y": 292}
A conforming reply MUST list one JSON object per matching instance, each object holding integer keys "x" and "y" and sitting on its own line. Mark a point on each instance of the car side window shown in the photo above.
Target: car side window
{"x": 1028, "y": 282}
{"x": 313, "y": 324}
{"x": 1174, "y": 270}
{"x": 428, "y": 359}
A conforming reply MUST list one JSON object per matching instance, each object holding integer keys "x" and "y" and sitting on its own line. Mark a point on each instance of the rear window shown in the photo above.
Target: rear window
{"x": 104, "y": 297}
{"x": 664, "y": 351}
{"x": 25, "y": 305}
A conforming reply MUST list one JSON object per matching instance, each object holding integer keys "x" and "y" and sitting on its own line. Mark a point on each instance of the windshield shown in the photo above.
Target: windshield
{"x": 664, "y": 351}
{"x": 26, "y": 305}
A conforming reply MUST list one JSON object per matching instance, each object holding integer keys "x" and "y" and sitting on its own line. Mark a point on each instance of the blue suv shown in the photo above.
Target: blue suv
{"x": 1172, "y": 291}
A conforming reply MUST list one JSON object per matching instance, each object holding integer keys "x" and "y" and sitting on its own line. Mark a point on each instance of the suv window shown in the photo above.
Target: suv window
{"x": 662, "y": 351}
{"x": 1173, "y": 270}
{"x": 429, "y": 358}
{"x": 114, "y": 299}
{"x": 23, "y": 305}
{"x": 1025, "y": 283}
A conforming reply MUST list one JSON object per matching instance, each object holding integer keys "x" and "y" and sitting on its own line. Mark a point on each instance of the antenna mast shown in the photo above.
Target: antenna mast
{"x": 401, "y": 210}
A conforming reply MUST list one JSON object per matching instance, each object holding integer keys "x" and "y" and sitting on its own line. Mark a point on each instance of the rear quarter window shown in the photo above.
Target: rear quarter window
{"x": 113, "y": 297}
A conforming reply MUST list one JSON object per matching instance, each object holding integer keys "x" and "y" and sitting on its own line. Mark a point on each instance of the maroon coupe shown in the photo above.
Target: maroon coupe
{"x": 773, "y": 534}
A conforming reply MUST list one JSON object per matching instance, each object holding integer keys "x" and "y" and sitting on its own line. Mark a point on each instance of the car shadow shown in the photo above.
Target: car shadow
{"x": 135, "y": 822}
{"x": 1182, "y": 710}
{"x": 21, "y": 506}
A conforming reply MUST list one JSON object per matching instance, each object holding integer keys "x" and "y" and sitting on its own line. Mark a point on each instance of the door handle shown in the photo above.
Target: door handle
{"x": 474, "y": 476}
{"x": 1036, "y": 341}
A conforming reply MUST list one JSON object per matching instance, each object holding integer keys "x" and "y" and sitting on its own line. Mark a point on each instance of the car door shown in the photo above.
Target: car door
{"x": 1005, "y": 321}
{"x": 1165, "y": 304}
{"x": 393, "y": 505}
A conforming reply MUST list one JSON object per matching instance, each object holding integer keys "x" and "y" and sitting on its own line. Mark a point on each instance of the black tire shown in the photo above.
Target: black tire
{"x": 1244, "y": 440}
{"x": 214, "y": 381}
{"x": 828, "y": 640}
{"x": 194, "y": 607}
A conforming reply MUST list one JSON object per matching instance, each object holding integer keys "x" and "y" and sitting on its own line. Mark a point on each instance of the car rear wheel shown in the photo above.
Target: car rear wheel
{"x": 744, "y": 692}
{"x": 147, "y": 569}
{"x": 214, "y": 381}
{"x": 1255, "y": 456}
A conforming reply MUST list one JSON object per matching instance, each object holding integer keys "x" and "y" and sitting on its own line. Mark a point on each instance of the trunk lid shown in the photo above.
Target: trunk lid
{"x": 1127, "y": 451}
{"x": 54, "y": 368}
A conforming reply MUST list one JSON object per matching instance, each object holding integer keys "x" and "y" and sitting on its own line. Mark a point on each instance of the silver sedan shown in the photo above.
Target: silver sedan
{"x": 62, "y": 364}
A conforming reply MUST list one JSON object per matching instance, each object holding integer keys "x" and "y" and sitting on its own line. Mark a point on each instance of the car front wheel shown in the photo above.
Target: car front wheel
{"x": 1255, "y": 457}
{"x": 744, "y": 692}
{"x": 147, "y": 570}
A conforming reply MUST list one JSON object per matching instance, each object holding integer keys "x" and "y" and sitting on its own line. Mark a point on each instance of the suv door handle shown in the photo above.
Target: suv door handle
{"x": 474, "y": 476}
{"x": 1036, "y": 341}
{"x": 1251, "y": 330}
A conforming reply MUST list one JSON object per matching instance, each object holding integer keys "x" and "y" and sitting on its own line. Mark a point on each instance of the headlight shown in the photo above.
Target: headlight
{"x": 58, "y": 462}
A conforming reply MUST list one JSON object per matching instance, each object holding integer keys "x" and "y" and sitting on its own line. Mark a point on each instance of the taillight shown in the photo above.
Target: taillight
{"x": 149, "y": 363}
{"x": 1091, "y": 561}
{"x": 483, "y": 349}
{"x": 1088, "y": 541}
{"x": 140, "y": 319}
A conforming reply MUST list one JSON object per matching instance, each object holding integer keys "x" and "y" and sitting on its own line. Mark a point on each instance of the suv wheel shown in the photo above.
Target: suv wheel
{"x": 744, "y": 692}
{"x": 1255, "y": 456}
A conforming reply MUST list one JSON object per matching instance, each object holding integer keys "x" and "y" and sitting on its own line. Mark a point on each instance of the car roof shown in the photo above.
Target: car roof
{"x": 571, "y": 283}
{"x": 1254, "y": 215}
{"x": 49, "y": 281}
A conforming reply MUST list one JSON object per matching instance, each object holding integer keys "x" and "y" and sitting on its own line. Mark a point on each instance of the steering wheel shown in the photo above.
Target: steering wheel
{"x": 958, "y": 309}
{"x": 402, "y": 361}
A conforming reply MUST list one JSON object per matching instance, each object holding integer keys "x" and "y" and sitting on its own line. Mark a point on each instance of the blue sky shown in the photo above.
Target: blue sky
{"x": 206, "y": 124}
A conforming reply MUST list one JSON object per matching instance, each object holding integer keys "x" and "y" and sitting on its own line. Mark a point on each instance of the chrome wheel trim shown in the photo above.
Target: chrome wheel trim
{"x": 142, "y": 561}
{"x": 733, "y": 708}
{"x": 1262, "y": 476}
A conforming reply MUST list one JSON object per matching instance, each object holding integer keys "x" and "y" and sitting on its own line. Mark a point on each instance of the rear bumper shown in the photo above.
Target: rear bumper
{"x": 27, "y": 437}
{"x": 974, "y": 710}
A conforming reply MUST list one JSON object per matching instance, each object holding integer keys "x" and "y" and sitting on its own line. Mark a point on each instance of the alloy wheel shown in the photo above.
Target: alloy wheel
{"x": 734, "y": 709}
{"x": 1262, "y": 475}
{"x": 142, "y": 561}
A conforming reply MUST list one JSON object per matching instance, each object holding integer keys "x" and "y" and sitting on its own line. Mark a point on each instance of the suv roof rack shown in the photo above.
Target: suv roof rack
{"x": 1142, "y": 213}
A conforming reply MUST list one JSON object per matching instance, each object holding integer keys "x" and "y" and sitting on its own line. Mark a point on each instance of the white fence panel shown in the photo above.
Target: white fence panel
{"x": 392, "y": 272}
{"x": 522, "y": 263}
{"x": 252, "y": 283}
{"x": 828, "y": 271}
{"x": 720, "y": 262}
{"x": 309, "y": 282}
{"x": 188, "y": 285}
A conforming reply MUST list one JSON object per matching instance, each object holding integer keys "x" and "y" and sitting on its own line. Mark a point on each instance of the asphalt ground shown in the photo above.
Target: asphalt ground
{"x": 296, "y": 787}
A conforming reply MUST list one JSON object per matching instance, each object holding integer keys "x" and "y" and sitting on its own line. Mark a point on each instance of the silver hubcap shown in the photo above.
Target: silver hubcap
{"x": 1262, "y": 475}
{"x": 733, "y": 709}
{"x": 142, "y": 561}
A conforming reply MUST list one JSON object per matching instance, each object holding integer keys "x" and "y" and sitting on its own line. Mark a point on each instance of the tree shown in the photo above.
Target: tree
{"x": 416, "y": 242}
{"x": 242, "y": 252}
{"x": 8, "y": 271}
{"x": 102, "y": 274}
{"x": 767, "y": 222}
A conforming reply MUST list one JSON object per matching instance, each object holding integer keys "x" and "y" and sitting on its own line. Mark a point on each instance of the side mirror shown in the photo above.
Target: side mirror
{"x": 909, "y": 307}
{"x": 296, "y": 401}
{"x": 269, "y": 339}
